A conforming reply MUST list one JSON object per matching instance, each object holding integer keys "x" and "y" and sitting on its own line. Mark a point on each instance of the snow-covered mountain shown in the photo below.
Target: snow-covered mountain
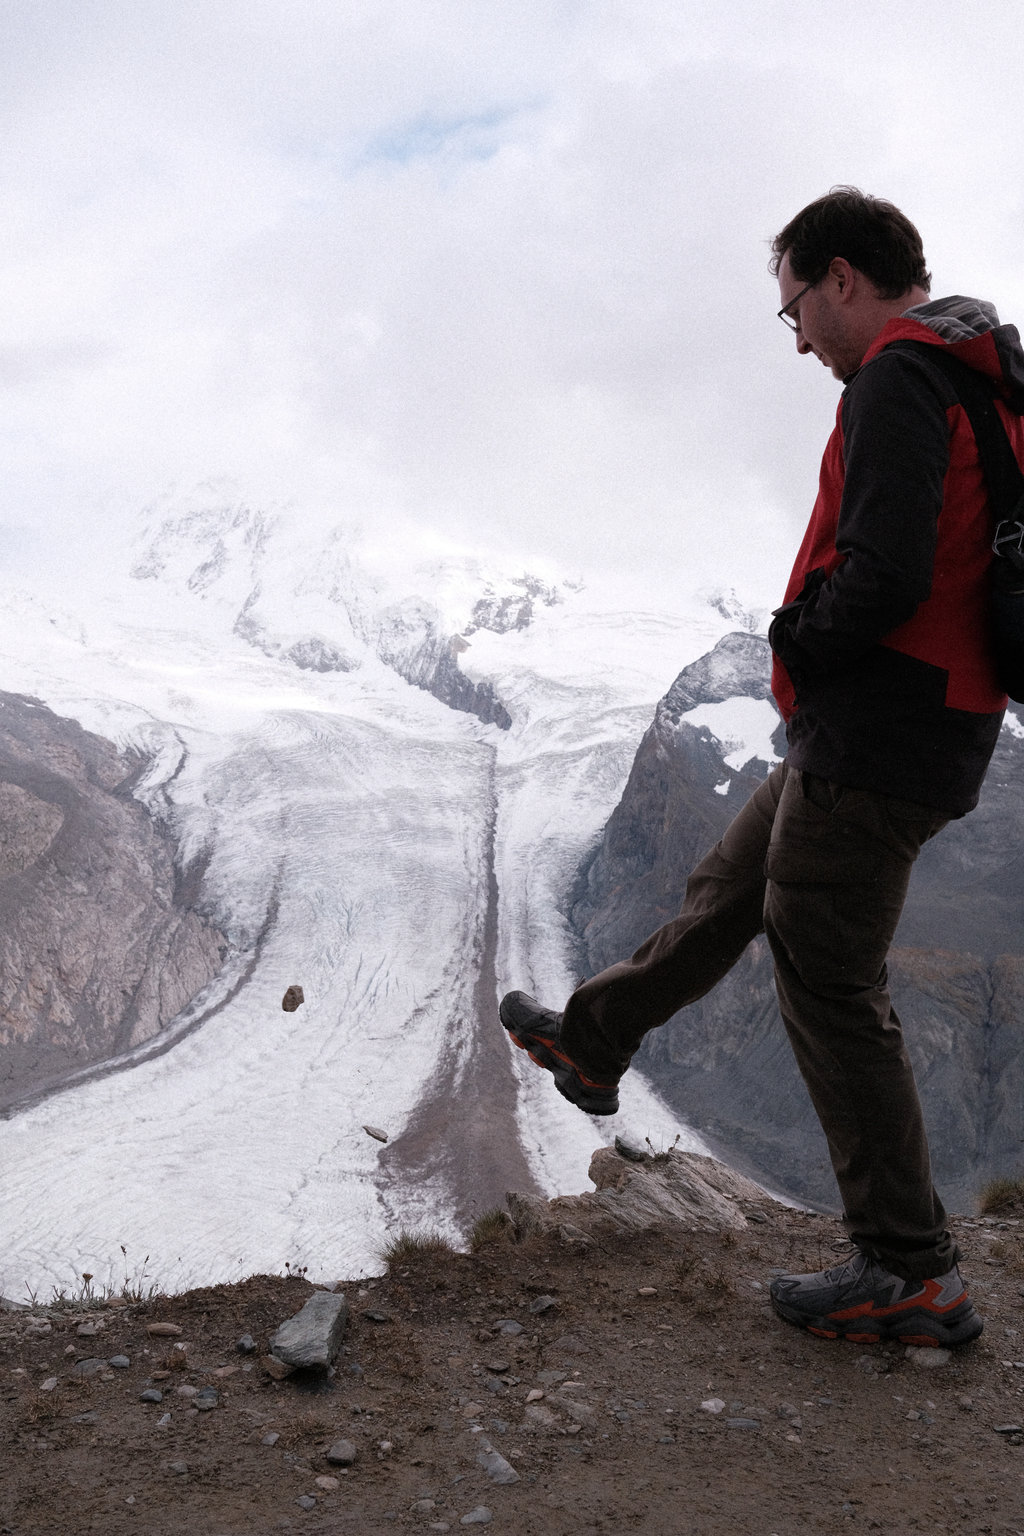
{"x": 391, "y": 762}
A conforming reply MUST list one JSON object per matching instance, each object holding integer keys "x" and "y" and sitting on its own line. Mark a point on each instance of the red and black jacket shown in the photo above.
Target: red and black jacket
{"x": 884, "y": 668}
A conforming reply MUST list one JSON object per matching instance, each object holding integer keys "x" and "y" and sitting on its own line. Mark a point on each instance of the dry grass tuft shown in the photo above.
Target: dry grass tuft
{"x": 492, "y": 1227}
{"x": 414, "y": 1245}
{"x": 1002, "y": 1197}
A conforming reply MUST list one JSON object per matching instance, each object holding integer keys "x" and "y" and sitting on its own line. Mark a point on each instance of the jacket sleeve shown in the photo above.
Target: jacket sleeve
{"x": 896, "y": 454}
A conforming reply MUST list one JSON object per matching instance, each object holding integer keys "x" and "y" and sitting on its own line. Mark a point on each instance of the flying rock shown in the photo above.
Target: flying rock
{"x": 292, "y": 999}
{"x": 376, "y": 1132}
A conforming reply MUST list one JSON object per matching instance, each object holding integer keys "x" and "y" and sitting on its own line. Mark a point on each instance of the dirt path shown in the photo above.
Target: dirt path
{"x": 837, "y": 1437}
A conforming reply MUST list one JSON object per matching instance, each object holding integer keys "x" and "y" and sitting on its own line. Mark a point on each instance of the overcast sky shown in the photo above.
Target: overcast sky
{"x": 496, "y": 270}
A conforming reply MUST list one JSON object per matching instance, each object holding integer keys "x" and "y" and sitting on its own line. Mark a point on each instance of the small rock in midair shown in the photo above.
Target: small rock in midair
{"x": 376, "y": 1132}
{"x": 292, "y": 999}
{"x": 246, "y": 1344}
{"x": 342, "y": 1453}
{"x": 151, "y": 1395}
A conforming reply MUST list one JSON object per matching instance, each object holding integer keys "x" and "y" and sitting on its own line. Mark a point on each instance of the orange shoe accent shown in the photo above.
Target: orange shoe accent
{"x": 922, "y": 1340}
{"x": 931, "y": 1290}
{"x": 823, "y": 1333}
{"x": 579, "y": 1074}
{"x": 863, "y": 1338}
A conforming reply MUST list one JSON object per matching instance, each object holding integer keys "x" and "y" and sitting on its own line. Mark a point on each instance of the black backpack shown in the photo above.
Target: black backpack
{"x": 1006, "y": 490}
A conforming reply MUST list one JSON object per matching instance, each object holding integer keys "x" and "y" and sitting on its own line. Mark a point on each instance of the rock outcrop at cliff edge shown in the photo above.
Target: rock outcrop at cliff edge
{"x": 956, "y": 971}
{"x": 99, "y": 948}
{"x": 644, "y": 1193}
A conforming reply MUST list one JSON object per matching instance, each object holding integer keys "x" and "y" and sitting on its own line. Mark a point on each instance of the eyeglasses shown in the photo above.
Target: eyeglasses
{"x": 784, "y": 315}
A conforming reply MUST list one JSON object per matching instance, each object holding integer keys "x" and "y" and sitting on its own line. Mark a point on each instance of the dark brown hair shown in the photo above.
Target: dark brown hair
{"x": 872, "y": 235}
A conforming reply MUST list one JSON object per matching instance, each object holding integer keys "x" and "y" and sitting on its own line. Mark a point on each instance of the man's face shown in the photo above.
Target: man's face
{"x": 821, "y": 322}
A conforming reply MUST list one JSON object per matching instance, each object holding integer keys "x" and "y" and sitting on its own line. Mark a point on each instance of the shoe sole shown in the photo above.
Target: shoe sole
{"x": 915, "y": 1325}
{"x": 590, "y": 1097}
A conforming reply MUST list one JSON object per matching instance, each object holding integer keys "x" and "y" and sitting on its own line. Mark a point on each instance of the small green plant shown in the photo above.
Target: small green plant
{"x": 1002, "y": 1197}
{"x": 414, "y": 1245}
{"x": 490, "y": 1228}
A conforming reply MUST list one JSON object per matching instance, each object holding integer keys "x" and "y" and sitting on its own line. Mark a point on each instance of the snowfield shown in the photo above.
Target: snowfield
{"x": 356, "y": 827}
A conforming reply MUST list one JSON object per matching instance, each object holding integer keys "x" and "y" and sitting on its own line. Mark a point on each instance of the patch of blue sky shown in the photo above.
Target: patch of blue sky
{"x": 476, "y": 136}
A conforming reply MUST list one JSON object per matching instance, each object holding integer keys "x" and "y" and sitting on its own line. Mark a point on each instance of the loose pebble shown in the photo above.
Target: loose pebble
{"x": 306, "y": 1501}
{"x": 713, "y": 1405}
{"x": 534, "y": 1395}
{"x": 119, "y": 1362}
{"x": 928, "y": 1359}
{"x": 376, "y": 1132}
{"x": 206, "y": 1398}
{"x": 163, "y": 1330}
{"x": 497, "y": 1365}
{"x": 276, "y": 1368}
{"x": 162, "y": 1423}
{"x": 497, "y": 1468}
{"x": 49, "y": 1384}
{"x": 246, "y": 1344}
{"x": 90, "y": 1330}
{"x": 509, "y": 1326}
{"x": 422, "y": 1507}
{"x": 271, "y": 1439}
{"x": 181, "y": 1467}
{"x": 342, "y": 1453}
{"x": 187, "y": 1391}
{"x": 151, "y": 1395}
{"x": 479, "y": 1516}
{"x": 647, "y": 1290}
{"x": 328, "y": 1484}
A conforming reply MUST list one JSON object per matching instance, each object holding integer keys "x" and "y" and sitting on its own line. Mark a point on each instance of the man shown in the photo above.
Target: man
{"x": 885, "y": 675}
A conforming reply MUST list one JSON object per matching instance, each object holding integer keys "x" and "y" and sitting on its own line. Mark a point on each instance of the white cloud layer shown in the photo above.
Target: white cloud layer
{"x": 495, "y": 271}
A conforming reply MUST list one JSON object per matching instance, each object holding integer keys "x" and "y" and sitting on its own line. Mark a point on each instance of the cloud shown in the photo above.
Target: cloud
{"x": 500, "y": 272}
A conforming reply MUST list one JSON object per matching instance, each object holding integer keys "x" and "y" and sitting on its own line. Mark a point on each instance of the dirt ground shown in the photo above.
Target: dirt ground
{"x": 644, "y": 1330}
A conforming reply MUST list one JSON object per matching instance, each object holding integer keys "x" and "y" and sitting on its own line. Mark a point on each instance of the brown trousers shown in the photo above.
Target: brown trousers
{"x": 823, "y": 871}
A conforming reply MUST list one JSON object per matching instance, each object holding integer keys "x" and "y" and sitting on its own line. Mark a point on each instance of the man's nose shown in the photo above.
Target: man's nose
{"x": 803, "y": 346}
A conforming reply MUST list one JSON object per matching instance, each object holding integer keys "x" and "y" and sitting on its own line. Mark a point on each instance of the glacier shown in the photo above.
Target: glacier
{"x": 403, "y": 860}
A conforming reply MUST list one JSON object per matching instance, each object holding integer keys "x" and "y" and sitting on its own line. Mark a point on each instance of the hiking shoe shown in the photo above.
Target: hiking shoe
{"x": 535, "y": 1030}
{"x": 863, "y": 1302}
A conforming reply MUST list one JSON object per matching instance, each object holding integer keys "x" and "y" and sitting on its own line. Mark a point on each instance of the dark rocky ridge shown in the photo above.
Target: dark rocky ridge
{"x": 956, "y": 971}
{"x": 100, "y": 942}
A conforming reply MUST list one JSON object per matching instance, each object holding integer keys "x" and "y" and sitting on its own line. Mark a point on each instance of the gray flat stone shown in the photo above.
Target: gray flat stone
{"x": 119, "y": 1362}
{"x": 479, "y": 1516}
{"x": 88, "y": 1368}
{"x": 542, "y": 1304}
{"x": 304, "y": 1501}
{"x": 151, "y": 1395}
{"x": 313, "y": 1336}
{"x": 497, "y": 1468}
{"x": 508, "y": 1325}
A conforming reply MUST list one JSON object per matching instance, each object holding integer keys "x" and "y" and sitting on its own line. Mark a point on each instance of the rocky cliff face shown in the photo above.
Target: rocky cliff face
{"x": 956, "y": 971}
{"x": 100, "y": 944}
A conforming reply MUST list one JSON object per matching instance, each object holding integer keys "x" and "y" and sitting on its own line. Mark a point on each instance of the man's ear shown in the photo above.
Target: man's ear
{"x": 840, "y": 270}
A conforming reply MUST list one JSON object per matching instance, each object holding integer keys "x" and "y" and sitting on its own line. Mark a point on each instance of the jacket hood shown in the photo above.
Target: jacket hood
{"x": 971, "y": 330}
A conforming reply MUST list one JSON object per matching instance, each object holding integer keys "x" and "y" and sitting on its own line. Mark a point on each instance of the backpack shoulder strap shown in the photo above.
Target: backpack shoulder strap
{"x": 977, "y": 395}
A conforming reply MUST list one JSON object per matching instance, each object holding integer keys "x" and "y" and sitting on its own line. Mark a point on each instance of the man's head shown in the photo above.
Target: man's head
{"x": 846, "y": 265}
